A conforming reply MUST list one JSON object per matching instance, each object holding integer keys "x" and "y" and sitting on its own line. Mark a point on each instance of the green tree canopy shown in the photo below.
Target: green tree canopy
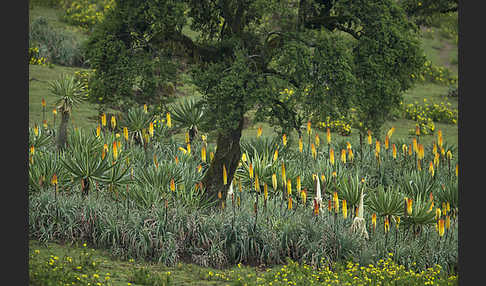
{"x": 291, "y": 61}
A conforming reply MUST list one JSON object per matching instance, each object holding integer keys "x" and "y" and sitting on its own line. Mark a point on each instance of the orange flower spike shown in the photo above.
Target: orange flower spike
{"x": 317, "y": 140}
{"x": 103, "y": 120}
{"x": 441, "y": 227}
{"x": 414, "y": 145}
{"x": 284, "y": 139}
{"x": 328, "y": 136}
{"x": 417, "y": 130}
{"x": 410, "y": 150}
{"x": 301, "y": 145}
{"x": 439, "y": 138}
{"x": 225, "y": 175}
{"x": 250, "y": 170}
{"x": 448, "y": 222}
{"x": 434, "y": 149}
{"x": 172, "y": 185}
{"x": 350, "y": 154}
{"x": 409, "y": 205}
{"x": 151, "y": 129}
{"x": 309, "y": 128}
{"x": 394, "y": 151}
{"x": 457, "y": 170}
{"x": 378, "y": 147}
{"x": 387, "y": 224}
{"x": 43, "y": 102}
{"x": 335, "y": 199}
{"x": 343, "y": 156}
{"x": 259, "y": 131}
{"x": 331, "y": 156}
{"x": 329, "y": 205}
{"x": 32, "y": 150}
{"x": 290, "y": 203}
{"x": 387, "y": 142}
{"x": 115, "y": 150}
{"x": 316, "y": 207}
{"x": 36, "y": 130}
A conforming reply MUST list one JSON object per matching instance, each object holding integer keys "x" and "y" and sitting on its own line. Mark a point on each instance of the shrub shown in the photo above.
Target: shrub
{"x": 57, "y": 46}
{"x": 86, "y": 13}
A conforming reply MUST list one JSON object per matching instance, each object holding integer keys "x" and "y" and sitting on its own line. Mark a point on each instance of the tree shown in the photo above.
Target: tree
{"x": 291, "y": 61}
{"x": 69, "y": 94}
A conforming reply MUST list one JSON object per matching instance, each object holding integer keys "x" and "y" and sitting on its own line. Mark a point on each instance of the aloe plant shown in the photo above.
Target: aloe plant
{"x": 386, "y": 202}
{"x": 188, "y": 114}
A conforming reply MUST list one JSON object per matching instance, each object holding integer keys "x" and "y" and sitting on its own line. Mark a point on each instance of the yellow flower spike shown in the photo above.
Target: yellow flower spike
{"x": 394, "y": 151}
{"x": 410, "y": 150}
{"x": 448, "y": 222}
{"x": 414, "y": 145}
{"x": 309, "y": 128}
{"x": 275, "y": 155}
{"x": 438, "y": 213}
{"x": 404, "y": 149}
{"x": 434, "y": 149}
{"x": 431, "y": 168}
{"x": 290, "y": 203}
{"x": 289, "y": 187}
{"x": 369, "y": 137}
{"x": 350, "y": 154}
{"x": 417, "y": 130}
{"x": 419, "y": 165}
{"x": 251, "y": 170}
{"x": 387, "y": 142}
{"x": 303, "y": 194}
{"x": 390, "y": 132}
{"x": 335, "y": 199}
{"x": 448, "y": 207}
{"x": 314, "y": 152}
{"x": 183, "y": 150}
{"x": 373, "y": 221}
{"x": 113, "y": 122}
{"x": 301, "y": 146}
{"x": 243, "y": 157}
{"x": 125, "y": 133}
{"x": 186, "y": 137}
{"x": 457, "y": 170}
{"x": 265, "y": 191}
{"x": 257, "y": 183}
{"x": 378, "y": 147}
{"x": 155, "y": 161}
{"x": 54, "y": 179}
{"x": 421, "y": 152}
{"x": 274, "y": 181}
{"x": 317, "y": 140}
{"x": 203, "y": 153}
{"x": 343, "y": 156}
{"x": 54, "y": 111}
{"x": 431, "y": 206}
{"x": 439, "y": 138}
{"x": 172, "y": 185}
{"x": 36, "y": 130}
{"x": 331, "y": 156}
{"x": 328, "y": 136}
{"x": 345, "y": 209}
{"x": 436, "y": 160}
{"x": 168, "y": 120}
{"x": 225, "y": 175}
{"x": 323, "y": 178}
{"x": 348, "y": 145}
{"x": 211, "y": 156}
{"x": 32, "y": 150}
{"x": 151, "y": 129}
{"x": 115, "y": 151}
{"x": 387, "y": 224}
{"x": 449, "y": 155}
{"x": 284, "y": 139}
{"x": 441, "y": 227}
{"x": 259, "y": 131}
{"x": 199, "y": 168}
{"x": 189, "y": 148}
{"x": 409, "y": 203}
{"x": 44, "y": 124}
{"x": 145, "y": 108}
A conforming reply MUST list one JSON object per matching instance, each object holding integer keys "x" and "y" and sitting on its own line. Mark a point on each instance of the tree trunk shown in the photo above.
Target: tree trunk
{"x": 62, "y": 136}
{"x": 228, "y": 153}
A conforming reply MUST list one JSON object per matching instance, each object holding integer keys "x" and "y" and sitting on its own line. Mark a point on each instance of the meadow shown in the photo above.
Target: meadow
{"x": 122, "y": 204}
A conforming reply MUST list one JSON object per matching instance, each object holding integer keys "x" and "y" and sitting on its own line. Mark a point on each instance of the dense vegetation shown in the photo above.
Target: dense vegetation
{"x": 154, "y": 177}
